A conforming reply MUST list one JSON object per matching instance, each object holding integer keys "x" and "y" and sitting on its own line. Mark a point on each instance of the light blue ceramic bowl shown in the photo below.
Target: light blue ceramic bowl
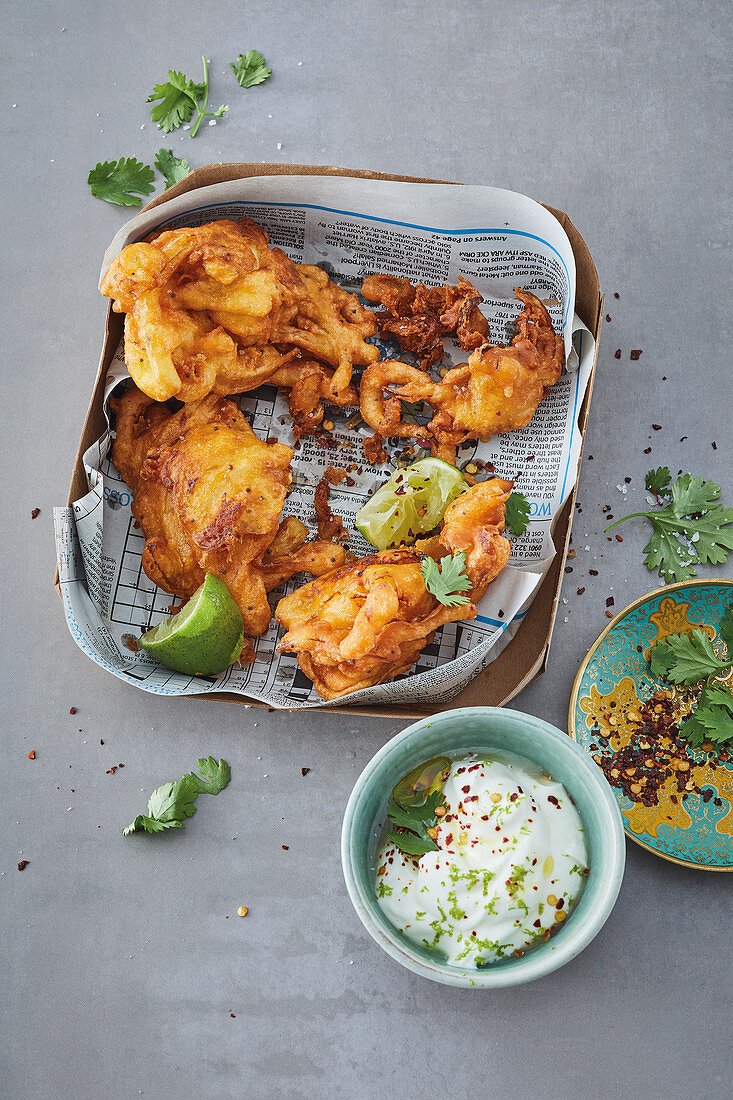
{"x": 487, "y": 729}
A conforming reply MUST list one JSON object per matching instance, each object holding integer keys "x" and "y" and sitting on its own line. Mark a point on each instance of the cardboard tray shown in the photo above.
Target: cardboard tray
{"x": 525, "y": 657}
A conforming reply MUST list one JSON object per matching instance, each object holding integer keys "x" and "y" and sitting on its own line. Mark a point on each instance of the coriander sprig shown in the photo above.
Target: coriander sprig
{"x": 690, "y": 528}
{"x": 171, "y": 803}
{"x": 177, "y": 98}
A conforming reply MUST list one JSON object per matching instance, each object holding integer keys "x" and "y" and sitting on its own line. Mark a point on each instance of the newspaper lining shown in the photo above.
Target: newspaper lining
{"x": 426, "y": 232}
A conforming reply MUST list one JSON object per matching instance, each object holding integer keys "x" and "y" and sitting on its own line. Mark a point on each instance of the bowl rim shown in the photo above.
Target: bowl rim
{"x": 534, "y": 964}
{"x": 704, "y": 582}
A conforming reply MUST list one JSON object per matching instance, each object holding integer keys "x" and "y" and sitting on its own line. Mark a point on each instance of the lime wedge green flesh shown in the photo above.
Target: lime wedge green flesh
{"x": 410, "y": 504}
{"x": 205, "y": 637}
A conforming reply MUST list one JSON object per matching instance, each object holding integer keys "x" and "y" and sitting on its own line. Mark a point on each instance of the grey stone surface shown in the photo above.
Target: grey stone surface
{"x": 121, "y": 974}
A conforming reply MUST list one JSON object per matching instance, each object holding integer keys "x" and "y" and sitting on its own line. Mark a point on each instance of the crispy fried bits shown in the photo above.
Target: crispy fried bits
{"x": 497, "y": 391}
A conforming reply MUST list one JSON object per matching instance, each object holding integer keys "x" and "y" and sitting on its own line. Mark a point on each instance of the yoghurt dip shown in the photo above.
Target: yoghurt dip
{"x": 510, "y": 865}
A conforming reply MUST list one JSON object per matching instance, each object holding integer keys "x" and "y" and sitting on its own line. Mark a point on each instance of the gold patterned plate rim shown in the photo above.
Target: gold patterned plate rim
{"x": 572, "y": 729}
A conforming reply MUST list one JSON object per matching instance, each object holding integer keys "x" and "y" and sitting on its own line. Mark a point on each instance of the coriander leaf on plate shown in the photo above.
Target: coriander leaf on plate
{"x": 685, "y": 658}
{"x": 693, "y": 731}
{"x": 446, "y": 579}
{"x": 517, "y": 513}
{"x": 119, "y": 181}
{"x": 172, "y": 168}
{"x": 712, "y": 719}
{"x": 250, "y": 68}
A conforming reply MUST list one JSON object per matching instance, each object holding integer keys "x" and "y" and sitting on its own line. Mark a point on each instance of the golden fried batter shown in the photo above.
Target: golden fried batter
{"x": 420, "y": 316}
{"x": 178, "y": 287}
{"x": 367, "y": 622}
{"x": 498, "y": 390}
{"x": 208, "y": 495}
{"x": 331, "y": 325}
{"x": 206, "y": 306}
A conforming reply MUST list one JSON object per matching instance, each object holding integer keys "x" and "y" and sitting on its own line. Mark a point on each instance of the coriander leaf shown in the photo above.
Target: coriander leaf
{"x": 693, "y": 527}
{"x": 171, "y": 803}
{"x": 215, "y": 775}
{"x": 657, "y": 481}
{"x": 685, "y": 658}
{"x": 416, "y": 819}
{"x": 661, "y": 659}
{"x": 173, "y": 168}
{"x": 673, "y": 559}
{"x": 717, "y": 695}
{"x": 712, "y": 719}
{"x": 692, "y": 494}
{"x": 398, "y": 815}
{"x": 150, "y": 825}
{"x": 250, "y": 68}
{"x": 446, "y": 579}
{"x": 693, "y": 731}
{"x": 517, "y": 513}
{"x": 174, "y": 801}
{"x": 726, "y": 629}
{"x": 426, "y": 812}
{"x": 116, "y": 180}
{"x": 178, "y": 99}
{"x": 412, "y": 845}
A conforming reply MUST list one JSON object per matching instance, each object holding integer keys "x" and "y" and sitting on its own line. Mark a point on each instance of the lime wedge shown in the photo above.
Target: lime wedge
{"x": 410, "y": 504}
{"x": 205, "y": 637}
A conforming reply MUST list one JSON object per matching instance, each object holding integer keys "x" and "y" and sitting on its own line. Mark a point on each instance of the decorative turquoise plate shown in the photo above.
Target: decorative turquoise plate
{"x": 686, "y": 820}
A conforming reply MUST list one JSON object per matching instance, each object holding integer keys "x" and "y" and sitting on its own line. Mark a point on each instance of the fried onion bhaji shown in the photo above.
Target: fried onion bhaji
{"x": 497, "y": 391}
{"x": 214, "y": 309}
{"x": 366, "y": 622}
{"x": 208, "y": 495}
{"x": 420, "y": 316}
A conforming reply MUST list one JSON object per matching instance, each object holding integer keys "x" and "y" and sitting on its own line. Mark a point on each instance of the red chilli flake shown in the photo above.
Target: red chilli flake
{"x": 657, "y": 427}
{"x": 619, "y": 538}
{"x": 617, "y": 353}
{"x": 23, "y": 864}
{"x": 285, "y": 847}
{"x": 616, "y": 294}
{"x": 635, "y": 354}
{"x": 72, "y": 710}
{"x": 608, "y": 316}
{"x": 35, "y": 513}
{"x": 32, "y": 754}
{"x": 647, "y": 450}
{"x": 304, "y": 771}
